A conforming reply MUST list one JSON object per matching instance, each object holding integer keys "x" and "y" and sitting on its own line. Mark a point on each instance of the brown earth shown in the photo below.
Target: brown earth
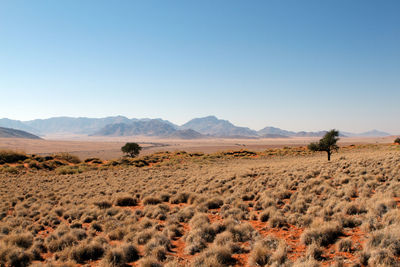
{"x": 282, "y": 207}
{"x": 110, "y": 147}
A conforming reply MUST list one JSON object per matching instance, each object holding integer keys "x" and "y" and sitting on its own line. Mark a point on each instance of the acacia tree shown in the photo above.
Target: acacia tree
{"x": 327, "y": 143}
{"x": 132, "y": 149}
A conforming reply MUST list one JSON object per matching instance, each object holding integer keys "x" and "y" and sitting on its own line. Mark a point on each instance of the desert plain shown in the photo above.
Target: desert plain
{"x": 241, "y": 202}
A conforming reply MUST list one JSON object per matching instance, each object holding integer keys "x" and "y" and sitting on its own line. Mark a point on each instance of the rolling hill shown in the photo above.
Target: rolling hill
{"x": 13, "y": 133}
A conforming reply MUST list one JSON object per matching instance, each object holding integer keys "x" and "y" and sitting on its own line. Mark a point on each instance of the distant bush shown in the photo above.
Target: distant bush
{"x": 9, "y": 156}
{"x": 397, "y": 140}
{"x": 67, "y": 157}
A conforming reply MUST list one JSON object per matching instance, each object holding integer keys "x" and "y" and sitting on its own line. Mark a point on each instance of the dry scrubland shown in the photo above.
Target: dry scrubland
{"x": 284, "y": 207}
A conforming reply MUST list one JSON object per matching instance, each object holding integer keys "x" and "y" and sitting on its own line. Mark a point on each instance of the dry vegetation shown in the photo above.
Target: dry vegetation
{"x": 280, "y": 207}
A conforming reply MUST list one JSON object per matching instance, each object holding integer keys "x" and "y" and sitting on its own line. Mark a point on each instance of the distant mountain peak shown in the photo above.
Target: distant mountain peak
{"x": 211, "y": 125}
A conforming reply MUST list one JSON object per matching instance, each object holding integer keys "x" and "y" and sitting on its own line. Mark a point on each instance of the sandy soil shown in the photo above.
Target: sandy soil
{"x": 109, "y": 147}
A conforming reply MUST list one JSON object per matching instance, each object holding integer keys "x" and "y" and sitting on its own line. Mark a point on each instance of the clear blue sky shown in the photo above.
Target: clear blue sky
{"x": 297, "y": 65}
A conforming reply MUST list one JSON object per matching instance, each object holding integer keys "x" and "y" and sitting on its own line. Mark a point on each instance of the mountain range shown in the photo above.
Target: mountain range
{"x": 205, "y": 127}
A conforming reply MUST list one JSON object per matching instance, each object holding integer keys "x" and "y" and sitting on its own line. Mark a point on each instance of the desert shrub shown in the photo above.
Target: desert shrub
{"x": 397, "y": 140}
{"x": 387, "y": 238}
{"x": 151, "y": 201}
{"x": 149, "y": 262}
{"x": 117, "y": 234}
{"x": 173, "y": 231}
{"x": 324, "y": 234}
{"x": 125, "y": 201}
{"x": 159, "y": 212}
{"x": 260, "y": 255}
{"x": 15, "y": 257}
{"x": 215, "y": 256}
{"x": 34, "y": 165}
{"x": 345, "y": 245}
{"x": 265, "y": 215}
{"x": 20, "y": 240}
{"x": 93, "y": 160}
{"x": 223, "y": 238}
{"x": 130, "y": 252}
{"x": 242, "y": 232}
{"x": 144, "y": 236}
{"x": 353, "y": 209}
{"x": 314, "y": 252}
{"x": 97, "y": 227}
{"x": 86, "y": 252}
{"x": 180, "y": 198}
{"x": 114, "y": 258}
{"x": 11, "y": 170}
{"x": 70, "y": 239}
{"x": 363, "y": 257}
{"x": 199, "y": 220}
{"x": 103, "y": 204}
{"x": 185, "y": 214}
{"x": 280, "y": 255}
{"x": 278, "y": 221}
{"x": 67, "y": 170}
{"x": 9, "y": 156}
{"x": 67, "y": 157}
{"x": 383, "y": 257}
{"x": 214, "y": 203}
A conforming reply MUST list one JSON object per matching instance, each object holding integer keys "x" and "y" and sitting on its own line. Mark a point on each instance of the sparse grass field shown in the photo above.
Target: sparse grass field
{"x": 279, "y": 207}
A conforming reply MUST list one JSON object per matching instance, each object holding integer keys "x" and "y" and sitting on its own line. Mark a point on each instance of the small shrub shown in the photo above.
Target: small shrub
{"x": 67, "y": 170}
{"x": 130, "y": 252}
{"x": 215, "y": 256}
{"x": 103, "y": 204}
{"x": 115, "y": 258}
{"x": 180, "y": 198}
{"x": 67, "y": 157}
{"x": 86, "y": 252}
{"x": 214, "y": 203}
{"x": 323, "y": 235}
{"x": 9, "y": 156}
{"x": 315, "y": 252}
{"x": 149, "y": 262}
{"x": 260, "y": 255}
{"x": 397, "y": 141}
{"x": 124, "y": 201}
{"x": 345, "y": 245}
{"x": 151, "y": 201}
{"x": 20, "y": 240}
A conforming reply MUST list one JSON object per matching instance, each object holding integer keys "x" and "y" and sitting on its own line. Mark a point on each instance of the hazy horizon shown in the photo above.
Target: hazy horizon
{"x": 180, "y": 124}
{"x": 299, "y": 66}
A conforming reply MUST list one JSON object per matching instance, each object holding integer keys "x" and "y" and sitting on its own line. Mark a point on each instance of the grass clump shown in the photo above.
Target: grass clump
{"x": 86, "y": 252}
{"x": 324, "y": 234}
{"x": 67, "y": 157}
{"x": 125, "y": 201}
{"x": 67, "y": 170}
{"x": 151, "y": 200}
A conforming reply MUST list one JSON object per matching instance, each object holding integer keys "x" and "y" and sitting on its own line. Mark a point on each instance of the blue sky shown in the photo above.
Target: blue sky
{"x": 297, "y": 65}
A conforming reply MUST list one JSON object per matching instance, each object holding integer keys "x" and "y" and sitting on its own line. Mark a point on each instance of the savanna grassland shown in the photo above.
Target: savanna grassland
{"x": 279, "y": 207}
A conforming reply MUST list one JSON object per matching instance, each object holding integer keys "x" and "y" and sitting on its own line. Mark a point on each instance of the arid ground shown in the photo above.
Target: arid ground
{"x": 277, "y": 207}
{"x": 110, "y": 147}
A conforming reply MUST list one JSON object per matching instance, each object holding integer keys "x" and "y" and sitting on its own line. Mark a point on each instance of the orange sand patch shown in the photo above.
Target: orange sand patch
{"x": 291, "y": 237}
